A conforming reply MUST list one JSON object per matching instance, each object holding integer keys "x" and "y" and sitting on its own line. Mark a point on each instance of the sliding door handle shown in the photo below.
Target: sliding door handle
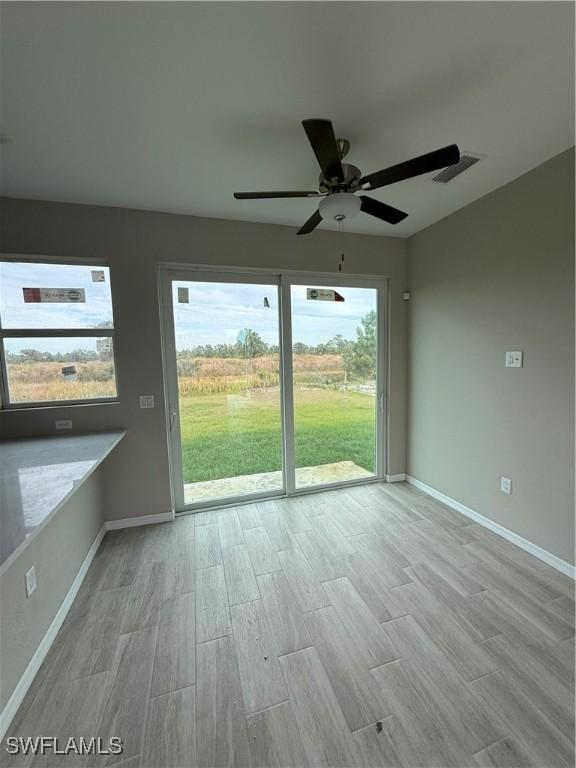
{"x": 173, "y": 415}
{"x": 382, "y": 402}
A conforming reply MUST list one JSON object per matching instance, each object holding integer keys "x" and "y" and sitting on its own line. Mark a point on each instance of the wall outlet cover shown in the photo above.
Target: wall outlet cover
{"x": 514, "y": 359}
{"x": 146, "y": 401}
{"x": 30, "y": 578}
{"x": 63, "y": 424}
{"x": 506, "y": 485}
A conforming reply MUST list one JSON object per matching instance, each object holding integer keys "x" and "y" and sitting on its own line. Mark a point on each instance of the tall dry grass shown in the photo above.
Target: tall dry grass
{"x": 44, "y": 382}
{"x": 226, "y": 375}
{"x": 212, "y": 385}
{"x": 60, "y": 390}
{"x": 196, "y": 376}
{"x": 237, "y": 366}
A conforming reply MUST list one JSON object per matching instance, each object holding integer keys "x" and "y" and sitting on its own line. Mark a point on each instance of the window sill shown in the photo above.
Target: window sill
{"x": 19, "y": 407}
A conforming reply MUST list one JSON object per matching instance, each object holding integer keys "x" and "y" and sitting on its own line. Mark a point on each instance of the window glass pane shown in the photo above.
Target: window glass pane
{"x": 228, "y": 367}
{"x": 335, "y": 360}
{"x": 47, "y": 296}
{"x": 60, "y": 368}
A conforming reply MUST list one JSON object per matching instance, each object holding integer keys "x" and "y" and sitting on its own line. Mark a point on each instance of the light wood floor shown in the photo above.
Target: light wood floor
{"x": 364, "y": 627}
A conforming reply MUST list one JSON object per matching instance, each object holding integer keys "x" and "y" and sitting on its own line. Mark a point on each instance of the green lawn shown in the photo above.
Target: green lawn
{"x": 231, "y": 435}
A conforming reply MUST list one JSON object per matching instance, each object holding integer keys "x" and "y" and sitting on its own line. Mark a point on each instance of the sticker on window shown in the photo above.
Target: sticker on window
{"x": 69, "y": 373}
{"x": 183, "y": 297}
{"x": 104, "y": 346}
{"x": 322, "y": 294}
{"x": 98, "y": 276}
{"x": 54, "y": 295}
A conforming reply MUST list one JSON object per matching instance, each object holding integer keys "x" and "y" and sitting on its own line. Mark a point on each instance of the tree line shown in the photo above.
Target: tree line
{"x": 75, "y": 356}
{"x": 358, "y": 355}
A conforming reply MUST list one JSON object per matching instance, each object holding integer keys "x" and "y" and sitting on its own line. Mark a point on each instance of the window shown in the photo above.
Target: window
{"x": 56, "y": 333}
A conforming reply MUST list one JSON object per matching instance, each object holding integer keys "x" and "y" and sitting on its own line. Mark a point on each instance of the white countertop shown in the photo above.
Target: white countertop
{"x": 38, "y": 475}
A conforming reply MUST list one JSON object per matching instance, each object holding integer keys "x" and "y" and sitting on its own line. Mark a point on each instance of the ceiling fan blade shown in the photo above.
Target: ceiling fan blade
{"x": 321, "y": 135}
{"x": 263, "y": 195}
{"x": 432, "y": 161}
{"x": 311, "y": 224}
{"x": 381, "y": 210}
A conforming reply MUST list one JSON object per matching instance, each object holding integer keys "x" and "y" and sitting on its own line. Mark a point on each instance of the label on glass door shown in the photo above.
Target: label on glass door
{"x": 322, "y": 294}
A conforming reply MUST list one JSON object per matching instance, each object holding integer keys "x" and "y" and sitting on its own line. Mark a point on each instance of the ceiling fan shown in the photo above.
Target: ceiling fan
{"x": 340, "y": 181}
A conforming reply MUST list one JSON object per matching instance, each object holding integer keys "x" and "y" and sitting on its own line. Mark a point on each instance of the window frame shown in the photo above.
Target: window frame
{"x": 21, "y": 333}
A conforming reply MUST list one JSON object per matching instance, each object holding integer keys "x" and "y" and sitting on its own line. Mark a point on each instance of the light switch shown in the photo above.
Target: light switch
{"x": 146, "y": 401}
{"x": 506, "y": 485}
{"x": 30, "y": 578}
{"x": 514, "y": 359}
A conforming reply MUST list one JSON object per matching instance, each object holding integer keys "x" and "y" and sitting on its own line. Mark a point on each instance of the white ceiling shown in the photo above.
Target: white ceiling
{"x": 174, "y": 106}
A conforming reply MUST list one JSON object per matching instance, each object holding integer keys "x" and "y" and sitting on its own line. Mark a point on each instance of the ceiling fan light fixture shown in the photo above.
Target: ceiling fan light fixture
{"x": 340, "y": 206}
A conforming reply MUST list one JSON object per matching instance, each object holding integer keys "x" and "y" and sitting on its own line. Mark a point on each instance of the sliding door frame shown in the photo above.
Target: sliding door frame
{"x": 168, "y": 276}
{"x": 283, "y": 280}
{"x": 336, "y": 281}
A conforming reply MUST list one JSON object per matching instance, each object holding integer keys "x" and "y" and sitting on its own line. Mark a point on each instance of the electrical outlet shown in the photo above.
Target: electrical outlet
{"x": 506, "y": 485}
{"x": 146, "y": 401}
{"x": 63, "y": 424}
{"x": 30, "y": 581}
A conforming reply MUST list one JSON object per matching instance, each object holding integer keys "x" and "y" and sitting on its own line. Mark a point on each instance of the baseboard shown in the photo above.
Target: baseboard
{"x": 542, "y": 554}
{"x": 396, "y": 478}
{"x": 35, "y": 662}
{"x": 131, "y": 522}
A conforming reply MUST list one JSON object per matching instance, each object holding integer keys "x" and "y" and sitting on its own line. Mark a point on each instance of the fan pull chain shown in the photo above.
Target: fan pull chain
{"x": 341, "y": 231}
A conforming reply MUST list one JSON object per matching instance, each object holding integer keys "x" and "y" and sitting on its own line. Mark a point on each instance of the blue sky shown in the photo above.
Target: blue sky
{"x": 216, "y": 312}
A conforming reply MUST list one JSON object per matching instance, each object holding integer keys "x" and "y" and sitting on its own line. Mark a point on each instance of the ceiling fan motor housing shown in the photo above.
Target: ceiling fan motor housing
{"x": 350, "y": 183}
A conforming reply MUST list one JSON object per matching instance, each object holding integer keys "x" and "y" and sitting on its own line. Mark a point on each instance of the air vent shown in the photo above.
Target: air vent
{"x": 466, "y": 161}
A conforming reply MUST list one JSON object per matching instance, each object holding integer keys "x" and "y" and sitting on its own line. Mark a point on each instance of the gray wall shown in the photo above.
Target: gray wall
{"x": 57, "y": 552}
{"x": 498, "y": 275}
{"x": 133, "y": 243}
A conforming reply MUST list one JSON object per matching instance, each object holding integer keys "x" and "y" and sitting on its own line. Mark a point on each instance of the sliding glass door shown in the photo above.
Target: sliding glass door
{"x": 273, "y": 384}
{"x": 226, "y": 412}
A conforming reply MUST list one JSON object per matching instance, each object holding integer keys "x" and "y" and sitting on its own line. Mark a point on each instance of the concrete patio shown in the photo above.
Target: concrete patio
{"x": 229, "y": 487}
